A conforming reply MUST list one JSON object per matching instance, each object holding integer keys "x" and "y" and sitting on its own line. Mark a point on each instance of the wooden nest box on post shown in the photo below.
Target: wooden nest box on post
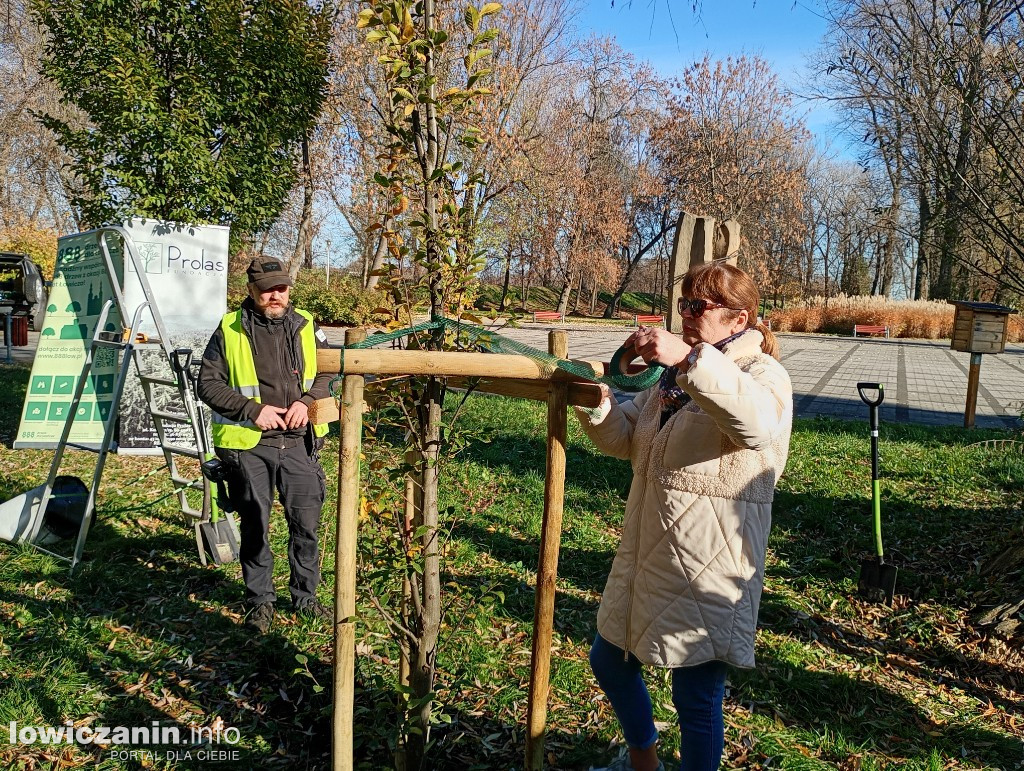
{"x": 978, "y": 328}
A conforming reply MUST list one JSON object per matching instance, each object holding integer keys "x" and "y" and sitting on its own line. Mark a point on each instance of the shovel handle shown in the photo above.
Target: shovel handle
{"x": 181, "y": 359}
{"x": 862, "y": 387}
{"x": 876, "y": 496}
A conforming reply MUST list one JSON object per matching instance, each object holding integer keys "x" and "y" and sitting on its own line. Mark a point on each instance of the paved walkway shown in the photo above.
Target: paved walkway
{"x": 925, "y": 381}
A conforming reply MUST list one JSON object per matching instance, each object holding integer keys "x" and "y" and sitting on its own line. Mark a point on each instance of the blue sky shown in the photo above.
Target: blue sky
{"x": 780, "y": 31}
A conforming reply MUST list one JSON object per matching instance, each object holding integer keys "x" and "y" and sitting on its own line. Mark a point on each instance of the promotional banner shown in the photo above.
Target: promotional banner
{"x": 187, "y": 270}
{"x": 80, "y": 288}
{"x": 186, "y": 267}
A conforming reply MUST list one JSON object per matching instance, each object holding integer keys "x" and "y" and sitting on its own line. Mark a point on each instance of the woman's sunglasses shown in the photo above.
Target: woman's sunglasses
{"x": 697, "y": 307}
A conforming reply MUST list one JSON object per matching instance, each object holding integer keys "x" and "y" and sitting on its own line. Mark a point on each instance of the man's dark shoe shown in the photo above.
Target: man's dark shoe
{"x": 312, "y": 609}
{"x": 260, "y": 617}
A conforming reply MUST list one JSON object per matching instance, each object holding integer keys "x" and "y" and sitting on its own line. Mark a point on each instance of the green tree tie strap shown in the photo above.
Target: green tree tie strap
{"x": 468, "y": 336}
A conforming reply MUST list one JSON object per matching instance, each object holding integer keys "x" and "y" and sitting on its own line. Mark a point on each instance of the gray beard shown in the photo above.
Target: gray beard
{"x": 275, "y": 313}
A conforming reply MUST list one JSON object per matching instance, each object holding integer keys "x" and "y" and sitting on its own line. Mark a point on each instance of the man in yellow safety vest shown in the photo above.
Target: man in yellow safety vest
{"x": 259, "y": 377}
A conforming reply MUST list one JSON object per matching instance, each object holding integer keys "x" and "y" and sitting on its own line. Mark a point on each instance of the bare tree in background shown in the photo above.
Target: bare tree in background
{"x": 733, "y": 147}
{"x": 936, "y": 88}
{"x": 34, "y": 182}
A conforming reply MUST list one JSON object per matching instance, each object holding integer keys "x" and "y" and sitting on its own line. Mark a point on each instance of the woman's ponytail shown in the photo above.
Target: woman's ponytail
{"x": 770, "y": 344}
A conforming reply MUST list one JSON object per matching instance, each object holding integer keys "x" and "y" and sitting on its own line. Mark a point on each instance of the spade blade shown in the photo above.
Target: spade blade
{"x": 877, "y": 580}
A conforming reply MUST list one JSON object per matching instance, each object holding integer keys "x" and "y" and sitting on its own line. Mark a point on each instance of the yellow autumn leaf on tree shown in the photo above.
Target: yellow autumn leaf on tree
{"x": 364, "y": 18}
{"x": 407, "y": 27}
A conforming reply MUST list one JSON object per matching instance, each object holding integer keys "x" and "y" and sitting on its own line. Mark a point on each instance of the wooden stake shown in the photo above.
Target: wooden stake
{"x": 973, "y": 380}
{"x": 547, "y": 573}
{"x": 345, "y": 565}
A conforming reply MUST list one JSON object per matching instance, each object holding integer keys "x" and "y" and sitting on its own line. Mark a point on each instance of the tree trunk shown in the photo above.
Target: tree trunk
{"x": 412, "y": 518}
{"x": 302, "y": 255}
{"x": 563, "y": 295}
{"x": 947, "y": 249}
{"x": 826, "y": 252}
{"x": 889, "y": 260}
{"x": 656, "y": 290}
{"x": 507, "y": 279}
{"x": 579, "y": 294}
{"x": 924, "y": 223}
{"x": 613, "y": 305}
{"x": 876, "y": 273}
{"x": 951, "y": 211}
{"x": 423, "y": 653}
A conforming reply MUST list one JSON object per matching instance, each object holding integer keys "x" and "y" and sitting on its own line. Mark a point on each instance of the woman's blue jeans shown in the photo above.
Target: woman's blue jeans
{"x": 697, "y": 694}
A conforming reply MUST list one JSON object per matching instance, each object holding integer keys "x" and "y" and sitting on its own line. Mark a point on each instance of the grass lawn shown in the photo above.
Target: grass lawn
{"x": 143, "y": 633}
{"x": 543, "y": 298}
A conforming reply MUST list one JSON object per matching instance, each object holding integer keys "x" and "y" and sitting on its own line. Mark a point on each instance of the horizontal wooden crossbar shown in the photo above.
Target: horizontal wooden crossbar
{"x": 377, "y": 361}
{"x": 580, "y": 394}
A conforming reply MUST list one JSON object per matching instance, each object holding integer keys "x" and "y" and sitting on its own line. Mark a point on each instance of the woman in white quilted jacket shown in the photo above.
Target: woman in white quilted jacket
{"x": 707, "y": 445}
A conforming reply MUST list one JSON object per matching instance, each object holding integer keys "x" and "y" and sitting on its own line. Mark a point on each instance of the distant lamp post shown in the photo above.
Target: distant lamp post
{"x": 328, "y": 263}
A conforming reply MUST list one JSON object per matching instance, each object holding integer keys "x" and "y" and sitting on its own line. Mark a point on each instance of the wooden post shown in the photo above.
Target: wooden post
{"x": 345, "y": 565}
{"x": 551, "y": 534}
{"x": 973, "y": 379}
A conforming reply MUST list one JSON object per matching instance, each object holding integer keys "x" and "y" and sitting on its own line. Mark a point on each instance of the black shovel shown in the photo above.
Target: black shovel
{"x": 877, "y": 577}
{"x": 219, "y": 532}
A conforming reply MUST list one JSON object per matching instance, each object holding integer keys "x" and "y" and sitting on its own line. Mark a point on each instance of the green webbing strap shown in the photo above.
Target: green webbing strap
{"x": 492, "y": 342}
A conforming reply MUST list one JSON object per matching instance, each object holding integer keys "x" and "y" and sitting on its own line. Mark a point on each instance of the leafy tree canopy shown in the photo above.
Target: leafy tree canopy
{"x": 194, "y": 109}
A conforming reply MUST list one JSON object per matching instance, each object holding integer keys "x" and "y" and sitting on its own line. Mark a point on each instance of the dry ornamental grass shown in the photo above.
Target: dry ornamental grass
{"x": 926, "y": 319}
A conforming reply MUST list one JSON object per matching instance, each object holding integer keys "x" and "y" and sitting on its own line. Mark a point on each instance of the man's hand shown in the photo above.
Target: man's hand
{"x": 297, "y": 415}
{"x": 270, "y": 417}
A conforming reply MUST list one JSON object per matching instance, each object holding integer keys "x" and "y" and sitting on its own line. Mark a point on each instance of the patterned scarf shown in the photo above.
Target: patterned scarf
{"x": 670, "y": 395}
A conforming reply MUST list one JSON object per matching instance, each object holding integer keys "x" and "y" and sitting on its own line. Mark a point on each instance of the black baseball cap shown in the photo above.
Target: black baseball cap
{"x": 266, "y": 272}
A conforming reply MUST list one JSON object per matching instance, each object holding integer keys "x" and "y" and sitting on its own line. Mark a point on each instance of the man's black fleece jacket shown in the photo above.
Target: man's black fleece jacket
{"x": 277, "y": 353}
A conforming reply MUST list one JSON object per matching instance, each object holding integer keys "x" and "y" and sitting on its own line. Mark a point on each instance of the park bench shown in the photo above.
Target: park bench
{"x": 647, "y": 319}
{"x": 870, "y": 329}
{"x": 547, "y": 316}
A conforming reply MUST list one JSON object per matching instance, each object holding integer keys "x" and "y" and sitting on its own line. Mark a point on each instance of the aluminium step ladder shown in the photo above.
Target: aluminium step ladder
{"x": 169, "y": 397}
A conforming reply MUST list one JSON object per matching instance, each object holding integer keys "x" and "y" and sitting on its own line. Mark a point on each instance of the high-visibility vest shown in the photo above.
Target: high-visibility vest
{"x": 233, "y": 435}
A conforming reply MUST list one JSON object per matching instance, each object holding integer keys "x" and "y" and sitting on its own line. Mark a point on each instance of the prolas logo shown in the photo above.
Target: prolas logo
{"x": 182, "y": 263}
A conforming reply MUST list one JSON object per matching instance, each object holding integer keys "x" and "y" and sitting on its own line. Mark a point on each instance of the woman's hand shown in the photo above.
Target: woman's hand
{"x": 600, "y": 412}
{"x": 659, "y": 346}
